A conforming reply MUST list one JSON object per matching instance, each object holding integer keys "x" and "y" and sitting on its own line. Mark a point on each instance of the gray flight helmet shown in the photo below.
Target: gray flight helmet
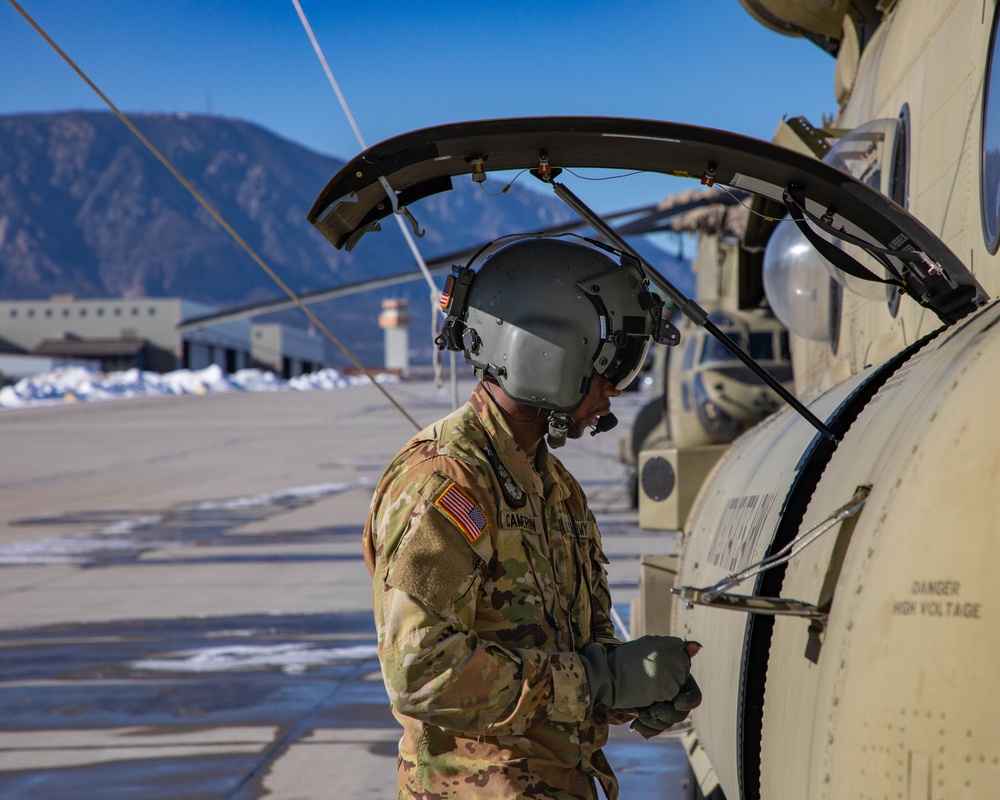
{"x": 542, "y": 316}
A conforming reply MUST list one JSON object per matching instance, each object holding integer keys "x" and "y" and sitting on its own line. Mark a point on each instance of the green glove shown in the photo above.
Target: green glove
{"x": 637, "y": 674}
{"x": 655, "y": 719}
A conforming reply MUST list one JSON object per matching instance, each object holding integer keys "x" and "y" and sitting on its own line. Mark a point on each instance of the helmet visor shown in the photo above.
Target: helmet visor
{"x": 628, "y": 361}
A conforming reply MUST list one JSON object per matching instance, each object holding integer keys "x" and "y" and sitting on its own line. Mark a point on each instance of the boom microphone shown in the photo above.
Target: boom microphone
{"x": 605, "y": 423}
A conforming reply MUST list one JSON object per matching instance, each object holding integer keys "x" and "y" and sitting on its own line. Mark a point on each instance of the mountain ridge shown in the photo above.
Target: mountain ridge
{"x": 86, "y": 209}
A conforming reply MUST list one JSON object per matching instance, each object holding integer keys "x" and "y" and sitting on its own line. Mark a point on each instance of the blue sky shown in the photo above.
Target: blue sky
{"x": 410, "y": 65}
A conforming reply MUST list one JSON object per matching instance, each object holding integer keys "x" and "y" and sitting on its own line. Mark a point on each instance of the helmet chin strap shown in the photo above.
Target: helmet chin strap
{"x": 558, "y": 428}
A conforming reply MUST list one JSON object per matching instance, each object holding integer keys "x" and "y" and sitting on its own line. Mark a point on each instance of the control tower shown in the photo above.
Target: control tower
{"x": 395, "y": 321}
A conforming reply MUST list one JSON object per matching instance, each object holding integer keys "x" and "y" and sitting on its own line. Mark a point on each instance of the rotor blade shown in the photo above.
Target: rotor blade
{"x": 437, "y": 266}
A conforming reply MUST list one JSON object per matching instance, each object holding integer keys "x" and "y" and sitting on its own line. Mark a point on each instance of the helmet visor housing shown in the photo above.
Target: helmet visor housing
{"x": 628, "y": 361}
{"x": 544, "y": 315}
{"x": 629, "y": 325}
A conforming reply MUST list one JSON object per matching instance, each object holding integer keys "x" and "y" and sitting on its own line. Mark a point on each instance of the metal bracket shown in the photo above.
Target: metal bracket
{"x": 717, "y": 594}
{"x": 768, "y": 606}
{"x": 399, "y": 210}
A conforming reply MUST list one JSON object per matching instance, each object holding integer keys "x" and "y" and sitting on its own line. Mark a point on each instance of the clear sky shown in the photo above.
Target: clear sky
{"x": 404, "y": 66}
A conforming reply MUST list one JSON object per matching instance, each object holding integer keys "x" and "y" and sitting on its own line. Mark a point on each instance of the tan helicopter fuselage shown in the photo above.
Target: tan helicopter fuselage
{"x": 871, "y": 672}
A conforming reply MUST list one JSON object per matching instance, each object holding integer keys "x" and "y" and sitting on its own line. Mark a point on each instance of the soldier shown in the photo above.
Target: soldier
{"x": 490, "y": 593}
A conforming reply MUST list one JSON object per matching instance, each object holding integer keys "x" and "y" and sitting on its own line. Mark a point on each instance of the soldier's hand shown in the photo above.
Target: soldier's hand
{"x": 655, "y": 719}
{"x": 637, "y": 674}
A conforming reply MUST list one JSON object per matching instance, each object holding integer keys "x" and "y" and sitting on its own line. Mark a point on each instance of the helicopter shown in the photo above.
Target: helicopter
{"x": 844, "y": 584}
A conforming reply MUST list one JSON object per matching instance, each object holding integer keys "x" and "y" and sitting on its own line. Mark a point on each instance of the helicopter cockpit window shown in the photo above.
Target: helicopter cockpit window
{"x": 802, "y": 287}
{"x": 989, "y": 165}
{"x": 762, "y": 346}
{"x": 715, "y": 350}
{"x": 870, "y": 153}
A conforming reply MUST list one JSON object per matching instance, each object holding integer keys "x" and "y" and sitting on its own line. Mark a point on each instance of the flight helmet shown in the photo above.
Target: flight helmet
{"x": 543, "y": 316}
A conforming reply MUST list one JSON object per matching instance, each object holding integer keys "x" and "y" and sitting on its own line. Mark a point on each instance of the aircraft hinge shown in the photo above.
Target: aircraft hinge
{"x": 708, "y": 179}
{"x": 402, "y": 211}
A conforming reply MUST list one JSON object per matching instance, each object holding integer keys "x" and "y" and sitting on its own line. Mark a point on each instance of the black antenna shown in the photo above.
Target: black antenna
{"x": 688, "y": 307}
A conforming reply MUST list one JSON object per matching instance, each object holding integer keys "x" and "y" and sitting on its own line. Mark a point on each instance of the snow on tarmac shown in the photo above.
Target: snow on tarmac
{"x": 76, "y": 384}
{"x": 292, "y": 658}
{"x": 126, "y": 536}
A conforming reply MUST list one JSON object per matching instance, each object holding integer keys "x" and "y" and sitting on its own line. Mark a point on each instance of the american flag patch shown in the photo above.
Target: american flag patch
{"x": 457, "y": 505}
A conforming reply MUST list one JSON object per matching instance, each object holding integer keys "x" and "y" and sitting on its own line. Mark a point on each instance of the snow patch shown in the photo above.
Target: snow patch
{"x": 274, "y": 498}
{"x": 76, "y": 384}
{"x": 290, "y": 658}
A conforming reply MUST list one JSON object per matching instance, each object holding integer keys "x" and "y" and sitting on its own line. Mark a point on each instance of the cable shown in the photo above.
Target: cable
{"x": 211, "y": 210}
{"x": 435, "y": 289}
{"x": 606, "y": 178}
{"x": 620, "y": 624}
{"x": 482, "y": 185}
{"x": 740, "y": 200}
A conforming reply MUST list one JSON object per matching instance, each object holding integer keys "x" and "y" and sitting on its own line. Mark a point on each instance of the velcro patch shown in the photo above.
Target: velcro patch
{"x": 460, "y": 509}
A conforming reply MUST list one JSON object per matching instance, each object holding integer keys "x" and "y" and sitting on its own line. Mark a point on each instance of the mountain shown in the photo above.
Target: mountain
{"x": 86, "y": 209}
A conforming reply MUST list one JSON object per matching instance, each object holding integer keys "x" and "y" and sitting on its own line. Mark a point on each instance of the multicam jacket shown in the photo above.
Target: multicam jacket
{"x": 488, "y": 576}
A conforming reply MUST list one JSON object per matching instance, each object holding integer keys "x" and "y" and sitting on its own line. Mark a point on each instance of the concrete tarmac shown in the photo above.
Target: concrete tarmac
{"x": 185, "y": 611}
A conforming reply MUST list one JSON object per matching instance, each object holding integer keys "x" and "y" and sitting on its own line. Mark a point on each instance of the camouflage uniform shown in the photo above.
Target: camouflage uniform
{"x": 488, "y": 576}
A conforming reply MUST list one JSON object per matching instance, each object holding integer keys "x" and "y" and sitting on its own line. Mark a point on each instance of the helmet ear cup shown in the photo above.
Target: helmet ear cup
{"x": 471, "y": 341}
